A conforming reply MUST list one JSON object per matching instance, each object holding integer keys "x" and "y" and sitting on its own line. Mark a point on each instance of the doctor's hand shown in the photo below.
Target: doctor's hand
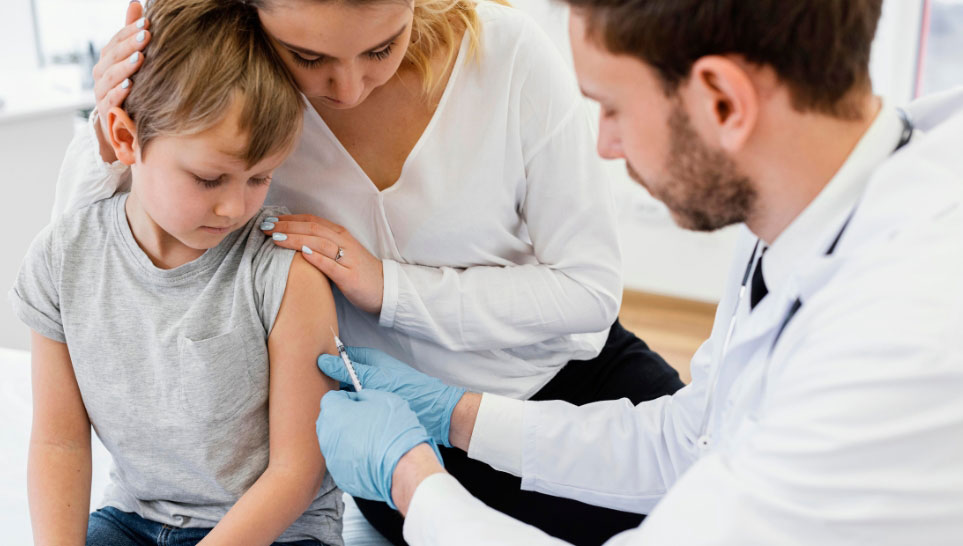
{"x": 119, "y": 59}
{"x": 333, "y": 250}
{"x": 432, "y": 400}
{"x": 363, "y": 435}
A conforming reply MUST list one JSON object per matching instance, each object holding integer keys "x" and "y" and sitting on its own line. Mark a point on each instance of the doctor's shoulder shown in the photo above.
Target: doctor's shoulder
{"x": 917, "y": 192}
{"x": 893, "y": 289}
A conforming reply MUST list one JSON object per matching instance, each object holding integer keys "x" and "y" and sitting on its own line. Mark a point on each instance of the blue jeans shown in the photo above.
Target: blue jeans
{"x": 111, "y": 527}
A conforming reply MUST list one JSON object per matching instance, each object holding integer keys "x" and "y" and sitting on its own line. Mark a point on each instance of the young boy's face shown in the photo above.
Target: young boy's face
{"x": 196, "y": 189}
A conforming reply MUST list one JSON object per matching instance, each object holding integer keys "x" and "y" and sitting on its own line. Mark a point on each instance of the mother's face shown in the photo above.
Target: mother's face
{"x": 339, "y": 52}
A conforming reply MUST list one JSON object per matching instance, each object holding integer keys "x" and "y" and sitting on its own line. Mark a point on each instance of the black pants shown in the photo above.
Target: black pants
{"x": 626, "y": 368}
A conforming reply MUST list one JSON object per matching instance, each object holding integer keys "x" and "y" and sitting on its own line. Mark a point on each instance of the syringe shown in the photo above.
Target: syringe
{"x": 347, "y": 362}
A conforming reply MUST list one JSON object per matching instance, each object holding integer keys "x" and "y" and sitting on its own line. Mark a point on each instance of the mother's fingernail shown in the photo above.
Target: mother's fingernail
{"x": 279, "y": 237}
{"x": 134, "y": 57}
{"x": 141, "y": 35}
{"x": 125, "y": 84}
{"x": 141, "y": 22}
{"x": 271, "y": 219}
{"x": 306, "y": 250}
{"x": 267, "y": 226}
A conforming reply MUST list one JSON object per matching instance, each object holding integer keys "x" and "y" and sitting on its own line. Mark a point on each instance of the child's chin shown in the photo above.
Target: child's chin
{"x": 204, "y": 240}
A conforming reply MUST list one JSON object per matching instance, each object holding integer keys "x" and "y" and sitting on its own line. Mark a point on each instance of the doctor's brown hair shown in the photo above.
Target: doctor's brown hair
{"x": 818, "y": 48}
{"x": 204, "y": 55}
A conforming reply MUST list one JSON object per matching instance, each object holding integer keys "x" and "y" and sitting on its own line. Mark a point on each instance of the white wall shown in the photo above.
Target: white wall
{"x": 30, "y": 154}
{"x": 893, "y": 61}
{"x": 17, "y": 51}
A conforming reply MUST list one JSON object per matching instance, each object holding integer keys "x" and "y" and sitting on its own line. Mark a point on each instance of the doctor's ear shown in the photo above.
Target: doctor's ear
{"x": 123, "y": 135}
{"x": 722, "y": 93}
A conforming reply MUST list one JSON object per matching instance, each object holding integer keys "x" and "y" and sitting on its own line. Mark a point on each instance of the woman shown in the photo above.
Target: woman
{"x": 446, "y": 182}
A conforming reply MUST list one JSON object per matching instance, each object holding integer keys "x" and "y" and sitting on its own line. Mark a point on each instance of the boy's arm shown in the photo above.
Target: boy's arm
{"x": 296, "y": 468}
{"x": 58, "y": 467}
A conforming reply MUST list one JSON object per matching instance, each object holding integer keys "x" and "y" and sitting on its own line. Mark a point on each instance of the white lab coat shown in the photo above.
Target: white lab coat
{"x": 849, "y": 432}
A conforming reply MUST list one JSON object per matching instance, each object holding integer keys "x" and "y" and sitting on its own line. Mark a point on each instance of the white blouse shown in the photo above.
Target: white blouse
{"x": 499, "y": 243}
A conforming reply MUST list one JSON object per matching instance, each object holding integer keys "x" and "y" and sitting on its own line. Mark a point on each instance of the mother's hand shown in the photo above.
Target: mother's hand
{"x": 329, "y": 247}
{"x": 119, "y": 59}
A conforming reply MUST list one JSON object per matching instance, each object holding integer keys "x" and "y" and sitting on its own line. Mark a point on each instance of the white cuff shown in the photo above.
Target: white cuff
{"x": 434, "y": 495}
{"x": 498, "y": 435}
{"x": 443, "y": 512}
{"x": 389, "y": 298}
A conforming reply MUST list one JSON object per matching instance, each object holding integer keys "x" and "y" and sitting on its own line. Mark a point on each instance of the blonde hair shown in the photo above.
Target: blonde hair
{"x": 436, "y": 27}
{"x": 203, "y": 56}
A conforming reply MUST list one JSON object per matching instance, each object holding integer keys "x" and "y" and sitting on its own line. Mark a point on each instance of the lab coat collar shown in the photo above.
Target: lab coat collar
{"x": 812, "y": 232}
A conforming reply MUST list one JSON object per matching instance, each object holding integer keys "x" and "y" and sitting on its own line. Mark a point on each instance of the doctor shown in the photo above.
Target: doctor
{"x": 827, "y": 405}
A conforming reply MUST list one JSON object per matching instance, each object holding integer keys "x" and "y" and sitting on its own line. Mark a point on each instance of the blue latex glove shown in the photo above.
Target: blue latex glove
{"x": 362, "y": 436}
{"x": 432, "y": 400}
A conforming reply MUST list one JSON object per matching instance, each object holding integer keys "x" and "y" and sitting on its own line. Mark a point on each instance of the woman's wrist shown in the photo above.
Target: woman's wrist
{"x": 389, "y": 293}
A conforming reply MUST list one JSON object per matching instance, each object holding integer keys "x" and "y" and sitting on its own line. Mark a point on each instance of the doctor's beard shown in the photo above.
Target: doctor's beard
{"x": 704, "y": 191}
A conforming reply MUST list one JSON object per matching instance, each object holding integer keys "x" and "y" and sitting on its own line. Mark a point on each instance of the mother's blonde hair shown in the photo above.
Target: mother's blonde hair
{"x": 436, "y": 27}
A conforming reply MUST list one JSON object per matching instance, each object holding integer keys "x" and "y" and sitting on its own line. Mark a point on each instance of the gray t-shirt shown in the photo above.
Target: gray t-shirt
{"x": 172, "y": 364}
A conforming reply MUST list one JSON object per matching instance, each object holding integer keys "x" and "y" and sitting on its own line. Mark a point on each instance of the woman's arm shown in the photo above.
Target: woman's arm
{"x": 58, "y": 467}
{"x": 84, "y": 177}
{"x": 90, "y": 170}
{"x": 571, "y": 280}
{"x": 575, "y": 284}
{"x": 302, "y": 331}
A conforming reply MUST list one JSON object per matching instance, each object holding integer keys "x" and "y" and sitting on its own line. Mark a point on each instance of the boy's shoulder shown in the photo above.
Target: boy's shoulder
{"x": 76, "y": 229}
{"x": 268, "y": 263}
{"x": 255, "y": 239}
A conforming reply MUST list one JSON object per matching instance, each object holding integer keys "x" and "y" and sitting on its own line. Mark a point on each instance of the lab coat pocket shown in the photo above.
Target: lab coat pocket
{"x": 216, "y": 376}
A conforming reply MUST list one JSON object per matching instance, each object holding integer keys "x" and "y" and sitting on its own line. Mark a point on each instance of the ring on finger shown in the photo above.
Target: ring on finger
{"x": 339, "y": 254}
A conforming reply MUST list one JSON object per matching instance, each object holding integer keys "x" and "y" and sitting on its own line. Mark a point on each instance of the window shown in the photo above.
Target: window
{"x": 73, "y": 31}
{"x": 940, "y": 64}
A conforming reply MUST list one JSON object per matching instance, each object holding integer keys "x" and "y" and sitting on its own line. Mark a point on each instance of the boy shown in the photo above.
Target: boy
{"x": 164, "y": 318}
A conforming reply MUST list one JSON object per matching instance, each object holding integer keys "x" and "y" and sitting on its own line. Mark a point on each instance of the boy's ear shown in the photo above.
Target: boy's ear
{"x": 123, "y": 135}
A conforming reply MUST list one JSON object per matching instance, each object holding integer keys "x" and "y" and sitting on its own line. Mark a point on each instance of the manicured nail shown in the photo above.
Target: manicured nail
{"x": 134, "y": 57}
{"x": 141, "y": 22}
{"x": 141, "y": 35}
{"x": 271, "y": 219}
{"x": 279, "y": 237}
{"x": 125, "y": 84}
{"x": 267, "y": 226}
{"x": 306, "y": 250}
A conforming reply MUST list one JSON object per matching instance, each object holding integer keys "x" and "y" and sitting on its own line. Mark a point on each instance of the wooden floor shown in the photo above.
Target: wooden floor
{"x": 672, "y": 327}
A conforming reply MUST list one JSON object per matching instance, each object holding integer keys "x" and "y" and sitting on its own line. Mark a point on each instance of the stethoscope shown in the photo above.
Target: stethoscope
{"x": 704, "y": 440}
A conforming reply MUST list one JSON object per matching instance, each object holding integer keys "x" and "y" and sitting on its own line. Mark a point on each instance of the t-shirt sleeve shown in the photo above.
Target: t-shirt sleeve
{"x": 271, "y": 266}
{"x": 35, "y": 295}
